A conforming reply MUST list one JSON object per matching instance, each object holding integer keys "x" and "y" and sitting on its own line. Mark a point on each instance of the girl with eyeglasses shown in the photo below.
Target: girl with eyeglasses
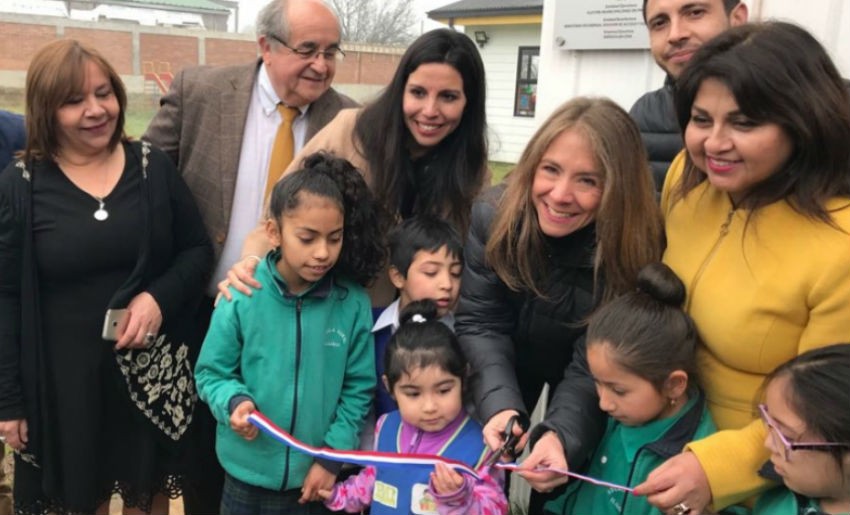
{"x": 805, "y": 412}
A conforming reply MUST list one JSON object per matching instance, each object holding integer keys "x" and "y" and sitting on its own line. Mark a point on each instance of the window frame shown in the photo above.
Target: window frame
{"x": 531, "y": 52}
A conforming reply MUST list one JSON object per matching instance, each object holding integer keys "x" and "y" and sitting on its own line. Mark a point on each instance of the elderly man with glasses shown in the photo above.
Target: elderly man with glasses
{"x": 232, "y": 131}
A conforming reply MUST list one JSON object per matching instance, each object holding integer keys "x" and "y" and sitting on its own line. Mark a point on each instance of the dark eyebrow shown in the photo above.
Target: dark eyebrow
{"x": 435, "y": 262}
{"x": 688, "y": 7}
{"x": 411, "y": 84}
{"x": 608, "y": 384}
{"x": 658, "y": 16}
{"x": 785, "y": 428}
{"x": 408, "y": 387}
{"x": 314, "y": 231}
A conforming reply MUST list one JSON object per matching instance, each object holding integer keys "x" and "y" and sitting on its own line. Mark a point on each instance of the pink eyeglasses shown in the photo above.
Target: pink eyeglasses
{"x": 780, "y": 440}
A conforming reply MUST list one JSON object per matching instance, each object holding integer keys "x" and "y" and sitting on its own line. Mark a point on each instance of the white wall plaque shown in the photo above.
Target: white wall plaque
{"x": 600, "y": 25}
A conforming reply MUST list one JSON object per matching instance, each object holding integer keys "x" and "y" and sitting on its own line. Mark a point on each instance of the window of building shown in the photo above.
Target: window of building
{"x": 526, "y": 80}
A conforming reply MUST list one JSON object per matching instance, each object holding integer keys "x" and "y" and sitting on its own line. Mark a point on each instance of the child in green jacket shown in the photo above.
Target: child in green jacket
{"x": 641, "y": 350}
{"x": 300, "y": 348}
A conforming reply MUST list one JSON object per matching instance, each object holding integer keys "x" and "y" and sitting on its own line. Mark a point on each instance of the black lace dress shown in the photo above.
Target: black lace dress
{"x": 96, "y": 444}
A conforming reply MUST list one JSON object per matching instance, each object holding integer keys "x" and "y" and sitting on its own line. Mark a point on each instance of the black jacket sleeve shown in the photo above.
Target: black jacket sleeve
{"x": 574, "y": 412}
{"x": 189, "y": 270}
{"x": 484, "y": 322}
{"x": 11, "y": 397}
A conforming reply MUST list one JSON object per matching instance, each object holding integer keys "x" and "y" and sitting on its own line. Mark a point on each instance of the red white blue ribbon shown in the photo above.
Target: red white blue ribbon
{"x": 391, "y": 459}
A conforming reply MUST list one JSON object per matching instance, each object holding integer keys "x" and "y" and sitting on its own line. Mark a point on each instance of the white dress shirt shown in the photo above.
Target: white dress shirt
{"x": 257, "y": 142}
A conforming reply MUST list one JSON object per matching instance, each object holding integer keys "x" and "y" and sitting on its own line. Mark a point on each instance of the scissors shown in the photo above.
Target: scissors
{"x": 509, "y": 440}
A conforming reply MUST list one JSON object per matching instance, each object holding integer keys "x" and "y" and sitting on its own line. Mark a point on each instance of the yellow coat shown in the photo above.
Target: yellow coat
{"x": 761, "y": 293}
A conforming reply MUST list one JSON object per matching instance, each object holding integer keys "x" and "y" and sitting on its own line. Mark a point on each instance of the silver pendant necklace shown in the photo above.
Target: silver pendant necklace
{"x": 101, "y": 214}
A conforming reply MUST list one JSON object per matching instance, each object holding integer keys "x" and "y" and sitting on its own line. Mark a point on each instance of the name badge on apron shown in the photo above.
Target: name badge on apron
{"x": 421, "y": 501}
{"x": 385, "y": 494}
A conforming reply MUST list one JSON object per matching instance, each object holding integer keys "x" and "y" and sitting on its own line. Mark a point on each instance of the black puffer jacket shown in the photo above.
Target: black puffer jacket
{"x": 517, "y": 341}
{"x": 655, "y": 116}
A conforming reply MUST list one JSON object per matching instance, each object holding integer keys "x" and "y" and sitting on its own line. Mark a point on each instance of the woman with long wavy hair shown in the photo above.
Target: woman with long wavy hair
{"x": 571, "y": 227}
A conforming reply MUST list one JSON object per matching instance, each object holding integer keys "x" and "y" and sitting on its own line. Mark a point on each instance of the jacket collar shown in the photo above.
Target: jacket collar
{"x": 574, "y": 249}
{"x": 321, "y": 289}
{"x": 682, "y": 431}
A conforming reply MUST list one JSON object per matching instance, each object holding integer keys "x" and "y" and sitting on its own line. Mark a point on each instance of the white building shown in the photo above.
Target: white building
{"x": 524, "y": 87}
{"x": 194, "y": 14}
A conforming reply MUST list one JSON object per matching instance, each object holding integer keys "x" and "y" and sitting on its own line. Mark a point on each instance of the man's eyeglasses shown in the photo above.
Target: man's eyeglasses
{"x": 310, "y": 52}
{"x": 779, "y": 439}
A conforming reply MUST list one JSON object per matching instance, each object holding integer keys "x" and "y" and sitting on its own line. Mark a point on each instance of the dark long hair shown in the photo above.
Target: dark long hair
{"x": 363, "y": 249}
{"x": 384, "y": 138}
{"x": 778, "y": 73}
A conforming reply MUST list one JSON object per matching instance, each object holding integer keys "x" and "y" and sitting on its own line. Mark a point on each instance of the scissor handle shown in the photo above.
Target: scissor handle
{"x": 509, "y": 447}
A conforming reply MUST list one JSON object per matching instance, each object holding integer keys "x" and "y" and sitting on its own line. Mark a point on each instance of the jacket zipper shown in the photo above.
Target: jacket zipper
{"x": 627, "y": 495}
{"x": 724, "y": 230}
{"x": 295, "y": 393}
{"x": 414, "y": 442}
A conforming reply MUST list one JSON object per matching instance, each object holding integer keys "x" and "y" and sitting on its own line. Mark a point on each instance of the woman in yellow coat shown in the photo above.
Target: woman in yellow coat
{"x": 757, "y": 216}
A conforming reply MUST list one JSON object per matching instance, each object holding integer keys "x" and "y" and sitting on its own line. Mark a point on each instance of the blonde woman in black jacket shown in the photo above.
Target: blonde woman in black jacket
{"x": 570, "y": 228}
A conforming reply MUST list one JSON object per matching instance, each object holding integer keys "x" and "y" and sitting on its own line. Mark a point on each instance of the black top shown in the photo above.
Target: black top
{"x": 81, "y": 261}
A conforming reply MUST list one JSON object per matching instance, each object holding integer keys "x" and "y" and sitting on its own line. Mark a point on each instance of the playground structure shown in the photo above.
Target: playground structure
{"x": 158, "y": 77}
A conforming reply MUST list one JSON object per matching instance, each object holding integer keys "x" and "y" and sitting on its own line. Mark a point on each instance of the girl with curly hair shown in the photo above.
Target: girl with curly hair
{"x": 313, "y": 314}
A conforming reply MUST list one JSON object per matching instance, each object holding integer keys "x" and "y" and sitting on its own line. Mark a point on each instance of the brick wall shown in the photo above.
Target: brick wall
{"x": 132, "y": 49}
{"x": 114, "y": 45}
{"x": 178, "y": 51}
{"x": 227, "y": 51}
{"x": 19, "y": 43}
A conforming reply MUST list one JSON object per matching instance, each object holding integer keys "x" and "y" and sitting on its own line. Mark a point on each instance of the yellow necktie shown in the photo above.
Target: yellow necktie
{"x": 284, "y": 146}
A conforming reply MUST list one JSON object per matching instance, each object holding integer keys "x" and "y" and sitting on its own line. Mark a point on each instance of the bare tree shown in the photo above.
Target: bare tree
{"x": 388, "y": 22}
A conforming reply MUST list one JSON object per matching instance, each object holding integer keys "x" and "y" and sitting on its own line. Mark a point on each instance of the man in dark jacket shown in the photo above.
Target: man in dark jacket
{"x": 677, "y": 28}
{"x": 12, "y": 139}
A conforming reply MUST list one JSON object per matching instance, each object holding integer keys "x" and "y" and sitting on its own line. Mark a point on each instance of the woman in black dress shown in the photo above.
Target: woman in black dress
{"x": 89, "y": 222}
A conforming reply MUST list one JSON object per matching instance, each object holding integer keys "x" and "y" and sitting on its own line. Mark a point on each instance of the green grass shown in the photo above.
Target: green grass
{"x": 499, "y": 170}
{"x": 137, "y": 119}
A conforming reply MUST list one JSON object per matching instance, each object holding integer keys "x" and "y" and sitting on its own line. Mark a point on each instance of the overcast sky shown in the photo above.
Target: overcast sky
{"x": 248, "y": 11}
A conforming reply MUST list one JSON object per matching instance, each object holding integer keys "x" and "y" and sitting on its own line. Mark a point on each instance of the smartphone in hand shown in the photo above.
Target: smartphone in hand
{"x": 114, "y": 321}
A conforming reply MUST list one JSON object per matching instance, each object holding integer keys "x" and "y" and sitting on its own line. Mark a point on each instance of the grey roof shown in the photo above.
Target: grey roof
{"x": 187, "y": 5}
{"x": 487, "y": 8}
